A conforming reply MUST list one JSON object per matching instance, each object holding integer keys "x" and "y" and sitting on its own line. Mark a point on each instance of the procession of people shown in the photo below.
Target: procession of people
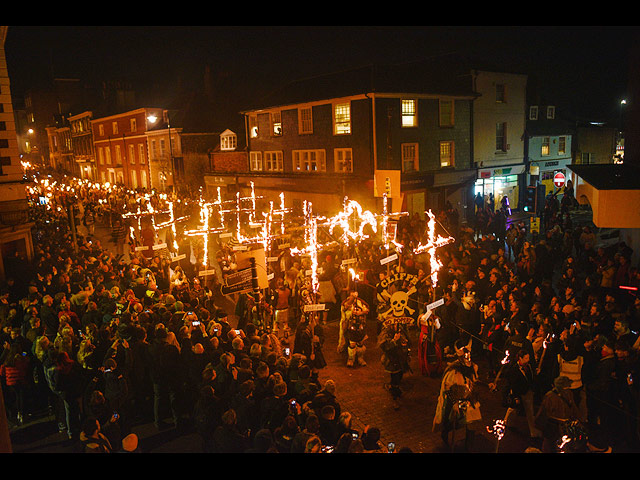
{"x": 140, "y": 327}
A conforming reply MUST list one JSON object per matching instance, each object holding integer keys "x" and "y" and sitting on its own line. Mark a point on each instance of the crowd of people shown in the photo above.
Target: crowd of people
{"x": 108, "y": 337}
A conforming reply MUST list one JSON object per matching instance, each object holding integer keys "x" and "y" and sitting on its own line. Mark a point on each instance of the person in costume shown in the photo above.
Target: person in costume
{"x": 350, "y": 307}
{"x": 458, "y": 405}
{"x": 395, "y": 346}
{"x": 430, "y": 353}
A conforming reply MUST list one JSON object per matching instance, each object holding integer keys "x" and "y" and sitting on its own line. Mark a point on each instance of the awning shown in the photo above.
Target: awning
{"x": 501, "y": 170}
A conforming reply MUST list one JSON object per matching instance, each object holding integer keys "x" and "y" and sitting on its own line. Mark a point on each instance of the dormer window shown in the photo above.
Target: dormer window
{"x": 228, "y": 140}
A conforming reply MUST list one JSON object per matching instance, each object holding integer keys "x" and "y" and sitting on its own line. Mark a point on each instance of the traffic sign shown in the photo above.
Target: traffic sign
{"x": 558, "y": 180}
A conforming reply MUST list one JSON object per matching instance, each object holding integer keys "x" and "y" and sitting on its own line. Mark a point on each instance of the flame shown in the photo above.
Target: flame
{"x": 431, "y": 247}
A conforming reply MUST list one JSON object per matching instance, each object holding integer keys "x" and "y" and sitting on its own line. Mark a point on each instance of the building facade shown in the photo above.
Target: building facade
{"x": 82, "y": 145}
{"x": 498, "y": 129}
{"x": 120, "y": 143}
{"x": 548, "y": 146}
{"x": 351, "y": 135}
{"x": 16, "y": 244}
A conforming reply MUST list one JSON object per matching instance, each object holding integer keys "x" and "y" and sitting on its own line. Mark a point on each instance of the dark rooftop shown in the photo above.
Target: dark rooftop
{"x": 609, "y": 176}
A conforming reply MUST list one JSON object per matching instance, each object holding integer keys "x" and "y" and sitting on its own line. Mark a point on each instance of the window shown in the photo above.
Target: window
{"x": 141, "y": 153}
{"x": 342, "y": 119}
{"x": 253, "y": 126}
{"x": 132, "y": 155}
{"x": 100, "y": 156}
{"x": 309, "y": 161}
{"x": 228, "y": 141}
{"x": 107, "y": 155}
{"x": 134, "y": 179}
{"x": 343, "y": 160}
{"x": 101, "y": 130}
{"x": 409, "y": 118}
{"x": 533, "y": 112}
{"x": 501, "y": 137}
{"x": 114, "y": 127}
{"x": 163, "y": 148}
{"x": 588, "y": 158}
{"x": 562, "y": 145}
{"x": 447, "y": 154}
{"x": 118, "y": 155}
{"x": 409, "y": 157}
{"x": 273, "y": 161}
{"x": 132, "y": 124}
{"x": 551, "y": 112}
{"x": 545, "y": 146}
{"x": 446, "y": 113}
{"x": 305, "y": 120}
{"x": 255, "y": 161}
{"x": 276, "y": 124}
{"x": 501, "y": 92}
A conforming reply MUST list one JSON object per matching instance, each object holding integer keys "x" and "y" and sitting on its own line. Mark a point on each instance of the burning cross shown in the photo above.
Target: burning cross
{"x": 432, "y": 245}
{"x": 353, "y": 210}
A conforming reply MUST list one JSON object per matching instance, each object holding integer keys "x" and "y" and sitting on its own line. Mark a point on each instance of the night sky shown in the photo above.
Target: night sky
{"x": 587, "y": 64}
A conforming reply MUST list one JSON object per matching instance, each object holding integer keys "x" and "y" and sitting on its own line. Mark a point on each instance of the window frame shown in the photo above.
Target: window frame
{"x": 414, "y": 160}
{"x": 503, "y": 146}
{"x": 298, "y": 161}
{"x": 268, "y": 162}
{"x": 337, "y": 161}
{"x": 275, "y": 118}
{"x": 545, "y": 147}
{"x": 346, "y": 123}
{"x": 305, "y": 125}
{"x": 533, "y": 112}
{"x": 452, "y": 153}
{"x": 255, "y": 159}
{"x": 451, "y": 116}
{"x": 412, "y": 114}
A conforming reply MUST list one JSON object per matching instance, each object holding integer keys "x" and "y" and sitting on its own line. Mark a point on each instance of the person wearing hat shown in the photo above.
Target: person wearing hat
{"x": 456, "y": 391}
{"x": 556, "y": 408}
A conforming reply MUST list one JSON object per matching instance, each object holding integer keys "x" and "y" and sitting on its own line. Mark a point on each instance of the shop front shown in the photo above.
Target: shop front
{"x": 498, "y": 182}
{"x": 544, "y": 172}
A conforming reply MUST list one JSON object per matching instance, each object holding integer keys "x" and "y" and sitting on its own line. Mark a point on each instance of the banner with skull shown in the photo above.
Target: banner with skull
{"x": 394, "y": 295}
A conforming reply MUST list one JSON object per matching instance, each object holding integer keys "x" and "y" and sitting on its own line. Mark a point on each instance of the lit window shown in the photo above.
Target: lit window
{"x": 343, "y": 160}
{"x": 409, "y": 118}
{"x": 255, "y": 161}
{"x": 228, "y": 141}
{"x": 141, "y": 153}
{"x": 309, "y": 161}
{"x": 342, "y": 119}
{"x": 100, "y": 156}
{"x": 501, "y": 137}
{"x": 114, "y": 127}
{"x": 273, "y": 161}
{"x": 133, "y": 124}
{"x": 101, "y": 130}
{"x": 253, "y": 126}
{"x": 533, "y": 112}
{"x": 562, "y": 145}
{"x": 409, "y": 157}
{"x": 118, "y": 155}
{"x": 545, "y": 146}
{"x": 446, "y": 154}
{"x": 107, "y": 154}
{"x": 276, "y": 124}
{"x": 132, "y": 154}
{"x": 446, "y": 113}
